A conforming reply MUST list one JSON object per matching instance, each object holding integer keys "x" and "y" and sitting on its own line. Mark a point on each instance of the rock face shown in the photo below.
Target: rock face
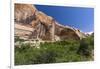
{"x": 31, "y": 23}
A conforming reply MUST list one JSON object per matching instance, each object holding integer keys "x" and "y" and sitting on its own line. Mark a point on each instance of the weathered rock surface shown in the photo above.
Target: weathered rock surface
{"x": 33, "y": 23}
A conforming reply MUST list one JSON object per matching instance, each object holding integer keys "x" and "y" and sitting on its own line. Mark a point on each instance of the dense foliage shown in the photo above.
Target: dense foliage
{"x": 57, "y": 52}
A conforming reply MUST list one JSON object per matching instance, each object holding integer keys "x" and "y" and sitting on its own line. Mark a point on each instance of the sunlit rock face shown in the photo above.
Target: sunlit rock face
{"x": 24, "y": 13}
{"x": 31, "y": 23}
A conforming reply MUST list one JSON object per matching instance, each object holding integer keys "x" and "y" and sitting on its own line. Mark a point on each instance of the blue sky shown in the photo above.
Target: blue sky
{"x": 78, "y": 17}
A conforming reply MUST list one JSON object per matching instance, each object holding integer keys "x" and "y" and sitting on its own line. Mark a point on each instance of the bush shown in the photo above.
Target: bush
{"x": 86, "y": 46}
{"x": 56, "y": 52}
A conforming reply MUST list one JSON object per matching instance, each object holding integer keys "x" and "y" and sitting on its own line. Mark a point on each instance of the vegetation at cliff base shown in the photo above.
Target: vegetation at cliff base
{"x": 56, "y": 52}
